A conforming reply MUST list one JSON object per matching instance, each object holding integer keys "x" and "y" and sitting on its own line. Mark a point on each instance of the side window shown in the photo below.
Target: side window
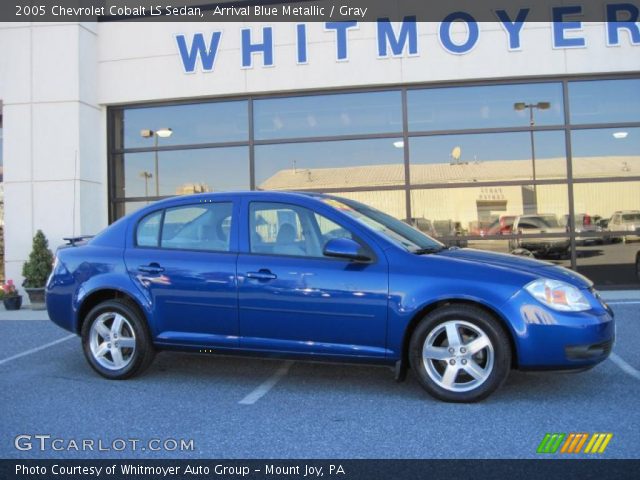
{"x": 329, "y": 229}
{"x": 528, "y": 224}
{"x": 198, "y": 227}
{"x": 282, "y": 229}
{"x": 148, "y": 232}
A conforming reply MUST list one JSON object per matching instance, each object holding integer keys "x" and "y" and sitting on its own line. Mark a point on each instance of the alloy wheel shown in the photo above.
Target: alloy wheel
{"x": 458, "y": 356}
{"x": 112, "y": 341}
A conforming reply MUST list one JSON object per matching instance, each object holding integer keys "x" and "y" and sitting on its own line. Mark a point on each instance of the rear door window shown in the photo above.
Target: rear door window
{"x": 198, "y": 227}
{"x": 148, "y": 233}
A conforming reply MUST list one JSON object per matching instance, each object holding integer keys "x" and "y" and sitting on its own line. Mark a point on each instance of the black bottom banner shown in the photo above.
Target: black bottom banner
{"x": 313, "y": 469}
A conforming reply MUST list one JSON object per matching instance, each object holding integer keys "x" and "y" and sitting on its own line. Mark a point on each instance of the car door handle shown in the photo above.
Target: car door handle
{"x": 262, "y": 275}
{"x": 151, "y": 268}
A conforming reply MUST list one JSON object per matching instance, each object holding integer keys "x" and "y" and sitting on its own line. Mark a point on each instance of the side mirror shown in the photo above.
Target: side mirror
{"x": 345, "y": 248}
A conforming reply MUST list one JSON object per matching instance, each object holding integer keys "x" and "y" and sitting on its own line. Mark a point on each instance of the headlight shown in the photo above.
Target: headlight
{"x": 558, "y": 295}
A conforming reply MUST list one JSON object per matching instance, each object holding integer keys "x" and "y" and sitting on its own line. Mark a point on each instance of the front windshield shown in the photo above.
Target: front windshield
{"x": 395, "y": 230}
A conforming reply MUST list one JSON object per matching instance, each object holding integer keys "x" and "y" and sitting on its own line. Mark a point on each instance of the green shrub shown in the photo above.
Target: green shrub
{"x": 37, "y": 269}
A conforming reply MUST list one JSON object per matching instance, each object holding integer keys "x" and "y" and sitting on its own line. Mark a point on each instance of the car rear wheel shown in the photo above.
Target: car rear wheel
{"x": 460, "y": 353}
{"x": 116, "y": 341}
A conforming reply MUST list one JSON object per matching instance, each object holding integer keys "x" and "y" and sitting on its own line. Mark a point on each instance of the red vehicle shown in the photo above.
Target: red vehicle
{"x": 501, "y": 226}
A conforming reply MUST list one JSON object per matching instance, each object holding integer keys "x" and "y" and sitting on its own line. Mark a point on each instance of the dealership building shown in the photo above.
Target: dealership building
{"x": 457, "y": 127}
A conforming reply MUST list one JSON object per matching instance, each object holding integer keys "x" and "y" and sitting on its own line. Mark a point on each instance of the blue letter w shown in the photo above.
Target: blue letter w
{"x": 207, "y": 54}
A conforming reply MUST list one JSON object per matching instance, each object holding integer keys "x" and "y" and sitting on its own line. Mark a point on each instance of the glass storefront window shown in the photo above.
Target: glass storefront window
{"x": 330, "y": 165}
{"x": 190, "y": 124}
{"x": 487, "y": 157}
{"x": 120, "y": 209}
{"x": 608, "y": 261}
{"x": 182, "y": 172}
{"x": 604, "y": 101}
{"x": 490, "y": 211}
{"x": 461, "y": 180}
{"x": 391, "y": 202}
{"x": 607, "y": 152}
{"x": 492, "y": 106}
{"x": 607, "y": 206}
{"x": 325, "y": 115}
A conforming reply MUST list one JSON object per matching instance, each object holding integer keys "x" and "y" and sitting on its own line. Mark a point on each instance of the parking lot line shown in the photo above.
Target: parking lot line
{"x": 36, "y": 349}
{"x": 624, "y": 366}
{"x": 267, "y": 385}
{"x": 623, "y": 302}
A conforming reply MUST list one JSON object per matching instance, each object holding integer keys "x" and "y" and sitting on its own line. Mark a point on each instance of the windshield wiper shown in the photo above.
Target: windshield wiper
{"x": 427, "y": 250}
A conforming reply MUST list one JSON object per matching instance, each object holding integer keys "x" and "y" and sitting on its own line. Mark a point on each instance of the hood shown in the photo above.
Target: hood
{"x": 522, "y": 264}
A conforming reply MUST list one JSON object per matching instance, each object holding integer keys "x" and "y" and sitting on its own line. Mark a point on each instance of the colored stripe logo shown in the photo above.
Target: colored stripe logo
{"x": 574, "y": 443}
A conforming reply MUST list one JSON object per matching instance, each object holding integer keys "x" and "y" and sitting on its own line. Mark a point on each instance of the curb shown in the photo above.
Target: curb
{"x": 23, "y": 314}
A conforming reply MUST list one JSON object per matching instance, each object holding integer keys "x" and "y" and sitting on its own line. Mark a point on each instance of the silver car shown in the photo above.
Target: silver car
{"x": 541, "y": 223}
{"x": 625, "y": 221}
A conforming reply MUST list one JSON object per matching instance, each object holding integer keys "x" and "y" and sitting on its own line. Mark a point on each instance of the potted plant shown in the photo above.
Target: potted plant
{"x": 10, "y": 297}
{"x": 37, "y": 269}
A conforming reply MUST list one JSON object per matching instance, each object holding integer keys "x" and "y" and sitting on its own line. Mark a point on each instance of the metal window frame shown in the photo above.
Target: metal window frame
{"x": 566, "y": 127}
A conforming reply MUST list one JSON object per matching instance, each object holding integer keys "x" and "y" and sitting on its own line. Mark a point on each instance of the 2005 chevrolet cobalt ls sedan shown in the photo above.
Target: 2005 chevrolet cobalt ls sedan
{"x": 320, "y": 277}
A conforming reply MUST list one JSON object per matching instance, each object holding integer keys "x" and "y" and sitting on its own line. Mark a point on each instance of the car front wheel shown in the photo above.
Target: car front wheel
{"x": 116, "y": 341}
{"x": 460, "y": 353}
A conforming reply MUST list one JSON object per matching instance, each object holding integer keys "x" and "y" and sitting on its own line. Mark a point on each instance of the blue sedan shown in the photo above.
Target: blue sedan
{"x": 320, "y": 277}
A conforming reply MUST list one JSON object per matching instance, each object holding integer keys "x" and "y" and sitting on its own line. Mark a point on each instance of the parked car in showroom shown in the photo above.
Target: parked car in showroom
{"x": 503, "y": 225}
{"x": 585, "y": 225}
{"x": 525, "y": 225}
{"x": 264, "y": 273}
{"x": 625, "y": 221}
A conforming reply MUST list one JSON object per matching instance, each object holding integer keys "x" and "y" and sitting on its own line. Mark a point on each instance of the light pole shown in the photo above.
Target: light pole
{"x": 519, "y": 106}
{"x": 160, "y": 133}
{"x": 146, "y": 175}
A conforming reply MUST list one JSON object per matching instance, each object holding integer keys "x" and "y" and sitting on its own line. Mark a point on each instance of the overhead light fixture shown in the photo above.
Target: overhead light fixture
{"x": 620, "y": 135}
{"x": 164, "y": 132}
{"x": 398, "y": 144}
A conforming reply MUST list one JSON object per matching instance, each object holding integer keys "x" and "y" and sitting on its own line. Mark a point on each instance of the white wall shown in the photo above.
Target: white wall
{"x": 54, "y": 147}
{"x": 140, "y": 61}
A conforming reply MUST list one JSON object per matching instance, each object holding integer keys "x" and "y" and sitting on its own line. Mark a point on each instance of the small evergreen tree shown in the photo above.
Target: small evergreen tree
{"x": 37, "y": 269}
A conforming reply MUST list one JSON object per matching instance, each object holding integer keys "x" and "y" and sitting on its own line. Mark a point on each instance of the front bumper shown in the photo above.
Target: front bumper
{"x": 547, "y": 339}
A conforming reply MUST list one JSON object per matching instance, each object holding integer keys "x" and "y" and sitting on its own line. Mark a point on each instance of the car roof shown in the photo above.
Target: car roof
{"x": 538, "y": 215}
{"x": 243, "y": 193}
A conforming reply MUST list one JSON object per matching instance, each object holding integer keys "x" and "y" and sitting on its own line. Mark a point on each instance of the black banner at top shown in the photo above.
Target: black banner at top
{"x": 270, "y": 11}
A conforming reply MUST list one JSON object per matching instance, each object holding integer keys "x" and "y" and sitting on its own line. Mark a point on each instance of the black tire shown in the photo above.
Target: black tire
{"x": 638, "y": 265}
{"x": 139, "y": 358}
{"x": 471, "y": 317}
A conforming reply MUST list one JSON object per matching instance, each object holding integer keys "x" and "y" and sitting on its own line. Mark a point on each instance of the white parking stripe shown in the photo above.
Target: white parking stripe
{"x": 624, "y": 366}
{"x": 37, "y": 349}
{"x": 628, "y": 302}
{"x": 267, "y": 385}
